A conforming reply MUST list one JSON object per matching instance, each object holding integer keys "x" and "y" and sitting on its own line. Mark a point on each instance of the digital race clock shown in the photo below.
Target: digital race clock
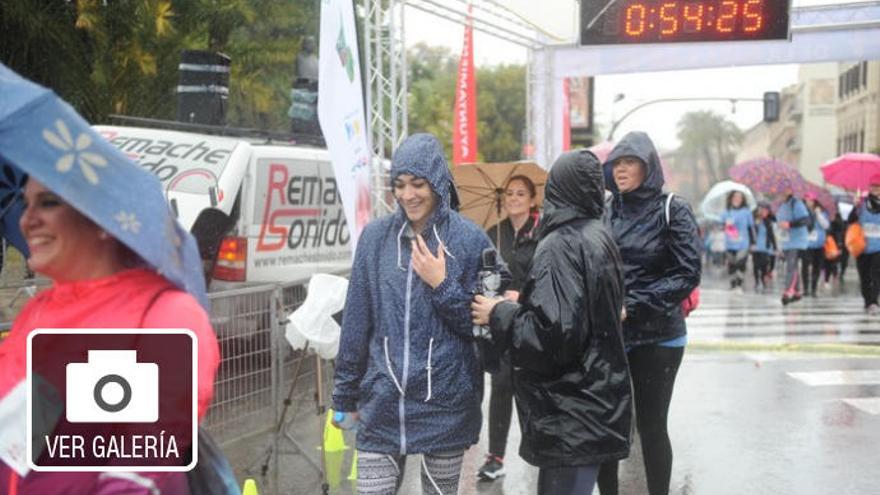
{"x": 606, "y": 22}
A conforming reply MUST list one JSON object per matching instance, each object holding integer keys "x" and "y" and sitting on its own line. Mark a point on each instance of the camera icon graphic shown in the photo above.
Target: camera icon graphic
{"x": 112, "y": 387}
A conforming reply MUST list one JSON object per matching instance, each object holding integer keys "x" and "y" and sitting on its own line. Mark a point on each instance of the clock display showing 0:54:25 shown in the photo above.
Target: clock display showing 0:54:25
{"x": 634, "y": 21}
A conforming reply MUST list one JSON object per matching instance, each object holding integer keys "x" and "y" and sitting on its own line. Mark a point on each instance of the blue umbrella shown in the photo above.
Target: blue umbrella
{"x": 11, "y": 207}
{"x": 42, "y": 136}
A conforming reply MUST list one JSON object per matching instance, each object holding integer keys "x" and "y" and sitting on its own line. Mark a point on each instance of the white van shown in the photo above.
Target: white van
{"x": 260, "y": 212}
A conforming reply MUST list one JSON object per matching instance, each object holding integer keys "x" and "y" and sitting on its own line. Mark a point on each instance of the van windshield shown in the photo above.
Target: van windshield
{"x": 183, "y": 162}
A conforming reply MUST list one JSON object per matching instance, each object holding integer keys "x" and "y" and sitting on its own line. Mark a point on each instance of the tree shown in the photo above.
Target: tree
{"x": 500, "y": 102}
{"x": 708, "y": 143}
{"x": 122, "y": 56}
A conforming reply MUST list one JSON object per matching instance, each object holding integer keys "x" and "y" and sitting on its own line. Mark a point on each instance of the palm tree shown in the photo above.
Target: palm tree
{"x": 707, "y": 139}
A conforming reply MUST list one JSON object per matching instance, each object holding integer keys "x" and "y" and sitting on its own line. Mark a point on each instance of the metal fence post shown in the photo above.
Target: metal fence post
{"x": 277, "y": 316}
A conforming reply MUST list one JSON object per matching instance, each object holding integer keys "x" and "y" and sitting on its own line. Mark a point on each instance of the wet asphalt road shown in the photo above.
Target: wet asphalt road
{"x": 769, "y": 400}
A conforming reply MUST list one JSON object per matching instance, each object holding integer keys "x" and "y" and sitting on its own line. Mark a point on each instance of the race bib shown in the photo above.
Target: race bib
{"x": 871, "y": 230}
{"x": 731, "y": 231}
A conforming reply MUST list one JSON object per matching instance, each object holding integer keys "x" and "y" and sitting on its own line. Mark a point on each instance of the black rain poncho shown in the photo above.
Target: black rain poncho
{"x": 571, "y": 381}
{"x": 661, "y": 261}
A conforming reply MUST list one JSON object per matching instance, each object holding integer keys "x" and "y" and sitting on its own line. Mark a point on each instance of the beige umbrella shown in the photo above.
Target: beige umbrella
{"x": 481, "y": 188}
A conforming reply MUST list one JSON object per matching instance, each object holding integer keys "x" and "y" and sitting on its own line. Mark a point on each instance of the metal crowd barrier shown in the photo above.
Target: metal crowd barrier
{"x": 257, "y": 363}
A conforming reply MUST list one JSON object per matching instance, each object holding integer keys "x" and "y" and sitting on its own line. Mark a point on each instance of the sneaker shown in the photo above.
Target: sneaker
{"x": 873, "y": 309}
{"x": 492, "y": 469}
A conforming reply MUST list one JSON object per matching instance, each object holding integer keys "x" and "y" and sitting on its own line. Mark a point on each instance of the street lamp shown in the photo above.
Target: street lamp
{"x": 618, "y": 97}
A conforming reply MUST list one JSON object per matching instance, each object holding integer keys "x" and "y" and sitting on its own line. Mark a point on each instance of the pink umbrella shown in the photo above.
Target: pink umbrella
{"x": 602, "y": 150}
{"x": 852, "y": 171}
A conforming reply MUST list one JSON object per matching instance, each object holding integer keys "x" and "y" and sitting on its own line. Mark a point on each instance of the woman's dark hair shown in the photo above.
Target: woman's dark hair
{"x": 533, "y": 191}
{"x": 730, "y": 199}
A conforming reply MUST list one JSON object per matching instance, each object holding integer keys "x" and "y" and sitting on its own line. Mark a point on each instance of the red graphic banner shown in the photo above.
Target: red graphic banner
{"x": 464, "y": 134}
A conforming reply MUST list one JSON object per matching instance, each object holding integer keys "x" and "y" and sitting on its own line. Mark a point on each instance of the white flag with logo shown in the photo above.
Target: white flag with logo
{"x": 341, "y": 112}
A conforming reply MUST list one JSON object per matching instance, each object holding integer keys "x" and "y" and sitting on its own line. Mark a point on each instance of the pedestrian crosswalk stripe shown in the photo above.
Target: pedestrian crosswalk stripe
{"x": 870, "y": 405}
{"x": 834, "y": 320}
{"x": 838, "y": 377}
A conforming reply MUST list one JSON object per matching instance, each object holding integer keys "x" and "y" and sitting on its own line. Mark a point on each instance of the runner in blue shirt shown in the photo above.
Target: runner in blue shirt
{"x": 814, "y": 255}
{"x": 868, "y": 263}
{"x": 739, "y": 236}
{"x": 792, "y": 219}
{"x": 764, "y": 248}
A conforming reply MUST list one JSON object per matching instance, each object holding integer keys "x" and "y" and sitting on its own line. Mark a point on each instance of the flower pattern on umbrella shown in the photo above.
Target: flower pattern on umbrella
{"x": 823, "y": 197}
{"x": 768, "y": 176}
{"x": 41, "y": 135}
{"x": 74, "y": 152}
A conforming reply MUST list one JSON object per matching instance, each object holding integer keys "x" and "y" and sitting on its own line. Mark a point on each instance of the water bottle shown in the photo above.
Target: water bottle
{"x": 345, "y": 421}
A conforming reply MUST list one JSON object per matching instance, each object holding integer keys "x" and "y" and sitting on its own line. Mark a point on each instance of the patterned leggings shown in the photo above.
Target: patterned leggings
{"x": 381, "y": 474}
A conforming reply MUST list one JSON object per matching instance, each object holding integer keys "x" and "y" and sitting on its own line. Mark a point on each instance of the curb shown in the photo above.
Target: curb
{"x": 841, "y": 349}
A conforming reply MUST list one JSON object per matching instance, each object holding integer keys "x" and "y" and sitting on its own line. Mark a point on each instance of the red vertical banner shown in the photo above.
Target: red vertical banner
{"x": 464, "y": 133}
{"x": 566, "y": 115}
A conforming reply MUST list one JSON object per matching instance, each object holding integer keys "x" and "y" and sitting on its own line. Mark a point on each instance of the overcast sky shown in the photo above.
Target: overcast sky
{"x": 560, "y": 16}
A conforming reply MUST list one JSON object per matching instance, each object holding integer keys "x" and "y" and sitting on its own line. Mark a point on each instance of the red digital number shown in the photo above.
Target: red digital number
{"x": 669, "y": 21}
{"x": 635, "y": 19}
{"x": 753, "y": 11}
{"x": 693, "y": 17}
{"x": 727, "y": 19}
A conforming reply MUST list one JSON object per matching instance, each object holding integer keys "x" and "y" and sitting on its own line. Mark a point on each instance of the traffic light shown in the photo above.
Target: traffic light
{"x": 771, "y": 106}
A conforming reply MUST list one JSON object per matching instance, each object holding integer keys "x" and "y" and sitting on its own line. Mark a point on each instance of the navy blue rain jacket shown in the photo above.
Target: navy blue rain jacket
{"x": 661, "y": 262}
{"x": 407, "y": 359}
{"x": 571, "y": 379}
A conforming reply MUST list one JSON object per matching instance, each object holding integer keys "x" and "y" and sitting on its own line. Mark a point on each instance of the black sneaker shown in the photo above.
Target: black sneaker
{"x": 492, "y": 469}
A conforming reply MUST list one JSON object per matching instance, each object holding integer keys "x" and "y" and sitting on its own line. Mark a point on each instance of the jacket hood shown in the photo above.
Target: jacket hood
{"x": 639, "y": 145}
{"x": 421, "y": 155}
{"x": 575, "y": 189}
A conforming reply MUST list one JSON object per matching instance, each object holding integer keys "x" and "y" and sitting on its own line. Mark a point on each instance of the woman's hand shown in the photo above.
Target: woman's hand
{"x": 783, "y": 224}
{"x": 482, "y": 307}
{"x": 431, "y": 269}
{"x": 353, "y": 414}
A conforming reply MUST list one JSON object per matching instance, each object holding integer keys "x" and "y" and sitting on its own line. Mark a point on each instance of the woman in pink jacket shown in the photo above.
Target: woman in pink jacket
{"x": 97, "y": 283}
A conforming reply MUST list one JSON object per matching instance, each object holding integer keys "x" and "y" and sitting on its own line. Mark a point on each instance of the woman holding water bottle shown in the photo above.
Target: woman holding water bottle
{"x": 408, "y": 371}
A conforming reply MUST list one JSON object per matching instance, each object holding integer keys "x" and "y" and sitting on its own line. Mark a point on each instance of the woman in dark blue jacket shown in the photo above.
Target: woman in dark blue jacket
{"x": 408, "y": 368}
{"x": 660, "y": 246}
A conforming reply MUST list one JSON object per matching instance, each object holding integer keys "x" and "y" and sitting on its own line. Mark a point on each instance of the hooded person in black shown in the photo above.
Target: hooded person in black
{"x": 660, "y": 247}
{"x": 571, "y": 383}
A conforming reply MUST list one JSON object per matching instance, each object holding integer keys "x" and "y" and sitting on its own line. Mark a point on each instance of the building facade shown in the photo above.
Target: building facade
{"x": 858, "y": 109}
{"x": 805, "y": 134}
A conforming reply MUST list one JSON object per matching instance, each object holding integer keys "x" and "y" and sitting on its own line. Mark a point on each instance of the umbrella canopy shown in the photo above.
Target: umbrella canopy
{"x": 602, "y": 150}
{"x": 823, "y": 197}
{"x": 42, "y": 136}
{"x": 715, "y": 202}
{"x": 852, "y": 171}
{"x": 481, "y": 188}
{"x": 768, "y": 176}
